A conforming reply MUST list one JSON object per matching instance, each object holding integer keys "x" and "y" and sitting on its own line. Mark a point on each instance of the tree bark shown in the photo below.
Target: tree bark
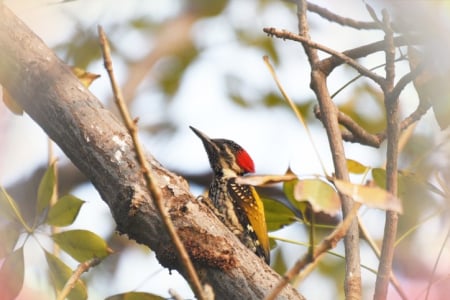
{"x": 99, "y": 145}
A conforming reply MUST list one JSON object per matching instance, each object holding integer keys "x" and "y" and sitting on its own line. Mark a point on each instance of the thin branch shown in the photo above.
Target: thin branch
{"x": 332, "y": 17}
{"x": 407, "y": 78}
{"x": 155, "y": 191}
{"x": 415, "y": 116}
{"x": 330, "y": 122}
{"x": 325, "y": 245}
{"x": 328, "y": 64}
{"x": 355, "y": 132}
{"x": 284, "y": 34}
{"x": 393, "y": 133}
{"x": 82, "y": 268}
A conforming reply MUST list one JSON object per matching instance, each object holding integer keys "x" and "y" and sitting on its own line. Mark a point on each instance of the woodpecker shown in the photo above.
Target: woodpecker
{"x": 238, "y": 206}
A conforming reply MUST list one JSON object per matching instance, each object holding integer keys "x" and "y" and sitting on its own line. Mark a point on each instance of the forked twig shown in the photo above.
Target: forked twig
{"x": 284, "y": 34}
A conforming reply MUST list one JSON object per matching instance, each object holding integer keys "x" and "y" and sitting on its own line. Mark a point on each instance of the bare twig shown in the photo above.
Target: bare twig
{"x": 393, "y": 133}
{"x": 146, "y": 170}
{"x": 355, "y": 132}
{"x": 326, "y": 244}
{"x": 332, "y": 17}
{"x": 284, "y": 34}
{"x": 82, "y": 268}
{"x": 407, "y": 78}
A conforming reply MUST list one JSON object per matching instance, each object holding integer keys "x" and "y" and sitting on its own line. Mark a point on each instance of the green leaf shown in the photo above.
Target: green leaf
{"x": 135, "y": 296}
{"x": 60, "y": 274}
{"x": 82, "y": 245}
{"x": 10, "y": 210}
{"x": 8, "y": 238}
{"x": 12, "y": 275}
{"x": 379, "y": 176}
{"x": 277, "y": 215}
{"x": 356, "y": 167}
{"x": 319, "y": 194}
{"x": 278, "y": 264}
{"x": 288, "y": 190}
{"x": 372, "y": 196}
{"x": 288, "y": 187}
{"x": 46, "y": 187}
{"x": 65, "y": 211}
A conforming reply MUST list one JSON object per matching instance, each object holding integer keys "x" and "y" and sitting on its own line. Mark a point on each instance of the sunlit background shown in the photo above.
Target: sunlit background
{"x": 199, "y": 63}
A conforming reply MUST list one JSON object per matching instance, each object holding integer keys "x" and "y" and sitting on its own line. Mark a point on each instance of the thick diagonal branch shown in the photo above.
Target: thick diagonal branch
{"x": 100, "y": 146}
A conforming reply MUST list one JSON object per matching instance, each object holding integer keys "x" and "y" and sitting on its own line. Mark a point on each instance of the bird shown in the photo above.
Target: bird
{"x": 238, "y": 206}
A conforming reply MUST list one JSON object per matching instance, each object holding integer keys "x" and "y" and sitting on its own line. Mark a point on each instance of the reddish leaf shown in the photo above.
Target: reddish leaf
{"x": 11, "y": 275}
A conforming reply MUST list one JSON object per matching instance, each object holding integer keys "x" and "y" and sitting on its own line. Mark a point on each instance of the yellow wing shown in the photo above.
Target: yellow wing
{"x": 248, "y": 199}
{"x": 257, "y": 218}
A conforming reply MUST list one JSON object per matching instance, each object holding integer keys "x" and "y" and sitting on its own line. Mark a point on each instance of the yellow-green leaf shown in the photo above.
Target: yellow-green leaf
{"x": 372, "y": 196}
{"x": 277, "y": 215}
{"x": 379, "y": 176}
{"x": 319, "y": 194}
{"x": 65, "y": 211}
{"x": 135, "y": 296}
{"x": 278, "y": 264}
{"x": 288, "y": 188}
{"x": 60, "y": 273}
{"x": 9, "y": 235}
{"x": 12, "y": 275}
{"x": 46, "y": 187}
{"x": 84, "y": 76}
{"x": 356, "y": 167}
{"x": 10, "y": 210}
{"x": 82, "y": 245}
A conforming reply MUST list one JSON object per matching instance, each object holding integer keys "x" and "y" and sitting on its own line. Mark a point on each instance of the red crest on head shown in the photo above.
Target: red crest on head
{"x": 245, "y": 161}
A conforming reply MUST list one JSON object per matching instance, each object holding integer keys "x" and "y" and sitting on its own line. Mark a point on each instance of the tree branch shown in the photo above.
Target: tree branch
{"x": 393, "y": 134}
{"x": 348, "y": 22}
{"x": 284, "y": 34}
{"x": 354, "y": 133}
{"x": 100, "y": 146}
{"x": 330, "y": 122}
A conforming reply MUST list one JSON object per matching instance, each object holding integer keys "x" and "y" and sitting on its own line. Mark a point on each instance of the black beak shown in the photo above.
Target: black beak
{"x": 208, "y": 143}
{"x": 201, "y": 135}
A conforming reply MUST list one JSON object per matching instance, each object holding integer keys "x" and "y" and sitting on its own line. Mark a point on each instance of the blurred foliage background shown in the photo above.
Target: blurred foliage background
{"x": 200, "y": 63}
